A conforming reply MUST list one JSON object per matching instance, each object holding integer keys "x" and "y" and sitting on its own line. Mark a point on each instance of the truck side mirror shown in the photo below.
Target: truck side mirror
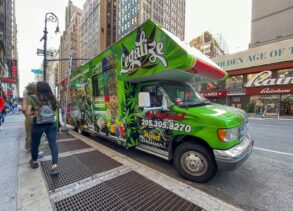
{"x": 144, "y": 100}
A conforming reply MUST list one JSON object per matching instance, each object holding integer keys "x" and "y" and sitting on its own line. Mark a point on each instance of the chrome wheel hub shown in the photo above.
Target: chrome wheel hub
{"x": 194, "y": 163}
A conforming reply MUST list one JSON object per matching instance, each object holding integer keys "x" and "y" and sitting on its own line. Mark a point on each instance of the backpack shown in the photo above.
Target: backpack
{"x": 45, "y": 113}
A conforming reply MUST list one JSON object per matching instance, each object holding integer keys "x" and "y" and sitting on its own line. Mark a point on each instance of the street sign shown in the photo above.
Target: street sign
{"x": 50, "y": 53}
{"x": 37, "y": 71}
{"x": 40, "y": 52}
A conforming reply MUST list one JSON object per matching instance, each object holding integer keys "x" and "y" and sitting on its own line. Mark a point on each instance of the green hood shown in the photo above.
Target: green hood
{"x": 215, "y": 115}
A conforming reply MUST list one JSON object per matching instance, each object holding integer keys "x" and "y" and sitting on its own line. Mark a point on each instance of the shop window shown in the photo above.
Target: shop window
{"x": 286, "y": 105}
{"x": 214, "y": 86}
{"x": 285, "y": 73}
{"x": 251, "y": 76}
{"x": 234, "y": 82}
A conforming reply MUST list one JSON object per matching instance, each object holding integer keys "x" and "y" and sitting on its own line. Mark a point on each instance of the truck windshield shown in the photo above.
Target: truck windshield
{"x": 183, "y": 95}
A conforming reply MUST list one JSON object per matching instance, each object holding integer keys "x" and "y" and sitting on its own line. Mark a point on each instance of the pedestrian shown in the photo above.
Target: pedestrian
{"x": 42, "y": 108}
{"x": 2, "y": 108}
{"x": 31, "y": 89}
{"x": 19, "y": 106}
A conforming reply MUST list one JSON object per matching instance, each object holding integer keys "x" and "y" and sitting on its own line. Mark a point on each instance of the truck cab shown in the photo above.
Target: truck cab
{"x": 178, "y": 124}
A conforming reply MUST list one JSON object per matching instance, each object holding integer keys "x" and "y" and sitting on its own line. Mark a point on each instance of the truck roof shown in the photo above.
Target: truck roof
{"x": 152, "y": 53}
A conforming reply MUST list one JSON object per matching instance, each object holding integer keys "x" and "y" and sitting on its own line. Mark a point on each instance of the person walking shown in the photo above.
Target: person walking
{"x": 42, "y": 108}
{"x": 30, "y": 90}
{"x": 2, "y": 108}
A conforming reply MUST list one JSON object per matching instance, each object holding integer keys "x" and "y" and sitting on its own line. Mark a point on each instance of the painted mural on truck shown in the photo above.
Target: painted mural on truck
{"x": 104, "y": 92}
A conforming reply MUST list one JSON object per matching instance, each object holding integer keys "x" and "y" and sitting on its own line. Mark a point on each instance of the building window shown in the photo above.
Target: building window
{"x": 285, "y": 73}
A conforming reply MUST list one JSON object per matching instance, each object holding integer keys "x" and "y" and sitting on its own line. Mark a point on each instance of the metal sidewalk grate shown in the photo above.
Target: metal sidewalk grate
{"x": 130, "y": 191}
{"x": 97, "y": 162}
{"x": 71, "y": 171}
{"x": 67, "y": 146}
{"x": 77, "y": 167}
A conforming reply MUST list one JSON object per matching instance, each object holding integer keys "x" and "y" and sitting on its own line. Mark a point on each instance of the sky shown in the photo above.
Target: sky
{"x": 231, "y": 18}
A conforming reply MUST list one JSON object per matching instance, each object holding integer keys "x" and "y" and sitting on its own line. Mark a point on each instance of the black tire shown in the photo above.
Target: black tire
{"x": 202, "y": 157}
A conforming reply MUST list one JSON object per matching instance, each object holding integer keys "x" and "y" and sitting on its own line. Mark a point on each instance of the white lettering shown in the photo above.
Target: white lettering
{"x": 142, "y": 49}
{"x": 264, "y": 79}
{"x": 272, "y": 91}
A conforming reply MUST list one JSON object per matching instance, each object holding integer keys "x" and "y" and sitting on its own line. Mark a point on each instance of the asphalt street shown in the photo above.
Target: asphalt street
{"x": 263, "y": 182}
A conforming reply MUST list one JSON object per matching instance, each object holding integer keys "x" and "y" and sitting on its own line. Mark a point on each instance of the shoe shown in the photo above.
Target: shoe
{"x": 54, "y": 171}
{"x": 34, "y": 165}
{"x": 40, "y": 155}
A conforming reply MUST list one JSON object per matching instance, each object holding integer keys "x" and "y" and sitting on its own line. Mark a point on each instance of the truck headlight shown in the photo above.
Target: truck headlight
{"x": 226, "y": 135}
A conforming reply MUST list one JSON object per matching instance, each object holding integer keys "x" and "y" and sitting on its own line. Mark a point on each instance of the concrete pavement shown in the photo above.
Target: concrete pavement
{"x": 9, "y": 145}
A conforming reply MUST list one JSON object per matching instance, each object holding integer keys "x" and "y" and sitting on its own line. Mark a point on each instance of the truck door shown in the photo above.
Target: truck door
{"x": 154, "y": 136}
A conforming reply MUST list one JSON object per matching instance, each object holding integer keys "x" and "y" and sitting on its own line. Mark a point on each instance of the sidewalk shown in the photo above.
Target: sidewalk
{"x": 93, "y": 177}
{"x": 9, "y": 136}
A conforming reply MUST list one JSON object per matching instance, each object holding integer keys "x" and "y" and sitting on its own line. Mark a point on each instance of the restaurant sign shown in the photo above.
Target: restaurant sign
{"x": 217, "y": 93}
{"x": 264, "y": 79}
{"x": 269, "y": 90}
{"x": 267, "y": 54}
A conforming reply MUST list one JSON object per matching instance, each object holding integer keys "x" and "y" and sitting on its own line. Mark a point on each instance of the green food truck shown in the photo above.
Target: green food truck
{"x": 141, "y": 92}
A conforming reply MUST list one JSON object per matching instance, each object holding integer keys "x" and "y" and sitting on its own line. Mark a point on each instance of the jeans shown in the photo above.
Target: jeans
{"x": 28, "y": 141}
{"x": 36, "y": 133}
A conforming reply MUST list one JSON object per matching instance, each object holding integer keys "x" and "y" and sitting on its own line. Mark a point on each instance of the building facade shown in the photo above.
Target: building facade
{"x": 208, "y": 45}
{"x": 70, "y": 40}
{"x": 170, "y": 14}
{"x": 97, "y": 27}
{"x": 271, "y": 21}
{"x": 52, "y": 69}
{"x": 260, "y": 80}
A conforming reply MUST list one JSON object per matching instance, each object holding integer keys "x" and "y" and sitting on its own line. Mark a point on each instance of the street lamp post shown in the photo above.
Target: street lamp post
{"x": 50, "y": 16}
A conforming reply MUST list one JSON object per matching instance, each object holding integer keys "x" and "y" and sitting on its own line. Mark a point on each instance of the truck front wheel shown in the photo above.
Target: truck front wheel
{"x": 195, "y": 162}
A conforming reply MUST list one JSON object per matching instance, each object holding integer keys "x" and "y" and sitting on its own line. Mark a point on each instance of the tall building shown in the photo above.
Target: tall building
{"x": 97, "y": 29}
{"x": 8, "y": 30}
{"x": 219, "y": 38}
{"x": 70, "y": 40}
{"x": 170, "y": 14}
{"x": 271, "y": 21}
{"x": 2, "y": 39}
{"x": 8, "y": 49}
{"x": 15, "y": 49}
{"x": 207, "y": 44}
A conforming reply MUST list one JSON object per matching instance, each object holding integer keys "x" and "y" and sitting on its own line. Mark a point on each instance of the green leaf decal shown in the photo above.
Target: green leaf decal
{"x": 149, "y": 66}
{"x": 152, "y": 35}
{"x": 125, "y": 50}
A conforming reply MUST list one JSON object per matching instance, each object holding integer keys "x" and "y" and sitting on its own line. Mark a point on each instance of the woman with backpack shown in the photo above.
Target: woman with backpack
{"x": 42, "y": 108}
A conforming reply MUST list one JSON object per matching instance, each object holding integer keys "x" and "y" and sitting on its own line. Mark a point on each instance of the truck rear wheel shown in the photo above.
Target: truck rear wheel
{"x": 195, "y": 162}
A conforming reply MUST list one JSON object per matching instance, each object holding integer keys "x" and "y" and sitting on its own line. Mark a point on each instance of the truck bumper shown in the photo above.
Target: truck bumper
{"x": 232, "y": 158}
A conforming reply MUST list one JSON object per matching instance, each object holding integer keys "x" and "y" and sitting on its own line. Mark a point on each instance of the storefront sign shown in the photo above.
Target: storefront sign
{"x": 236, "y": 91}
{"x": 266, "y": 54}
{"x": 264, "y": 79}
{"x": 218, "y": 93}
{"x": 274, "y": 91}
{"x": 269, "y": 90}
{"x": 8, "y": 80}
